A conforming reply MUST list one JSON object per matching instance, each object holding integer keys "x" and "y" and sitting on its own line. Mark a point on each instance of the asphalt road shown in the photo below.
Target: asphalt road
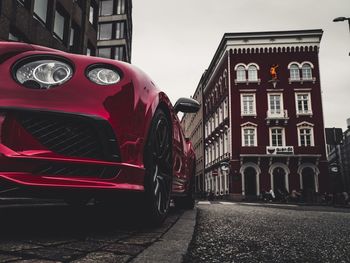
{"x": 47, "y": 232}
{"x": 246, "y": 232}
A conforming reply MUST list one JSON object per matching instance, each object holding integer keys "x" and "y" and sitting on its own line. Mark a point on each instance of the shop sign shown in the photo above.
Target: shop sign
{"x": 280, "y": 150}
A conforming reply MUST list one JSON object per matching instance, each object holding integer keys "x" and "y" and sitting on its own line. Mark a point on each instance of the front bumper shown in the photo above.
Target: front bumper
{"x": 63, "y": 150}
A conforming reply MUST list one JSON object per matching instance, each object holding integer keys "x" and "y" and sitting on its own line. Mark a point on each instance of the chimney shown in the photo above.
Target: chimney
{"x": 348, "y": 123}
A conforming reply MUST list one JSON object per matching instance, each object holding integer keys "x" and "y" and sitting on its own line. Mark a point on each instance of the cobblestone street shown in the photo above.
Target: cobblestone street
{"x": 58, "y": 233}
{"x": 265, "y": 232}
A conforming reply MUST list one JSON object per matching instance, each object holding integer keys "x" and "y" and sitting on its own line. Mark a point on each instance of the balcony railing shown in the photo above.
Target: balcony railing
{"x": 277, "y": 116}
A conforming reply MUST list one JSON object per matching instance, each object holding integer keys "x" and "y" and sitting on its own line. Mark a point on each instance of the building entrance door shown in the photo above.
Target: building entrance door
{"x": 308, "y": 184}
{"x": 279, "y": 180}
{"x": 250, "y": 181}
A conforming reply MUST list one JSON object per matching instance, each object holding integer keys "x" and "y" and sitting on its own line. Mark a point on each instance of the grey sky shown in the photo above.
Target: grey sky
{"x": 174, "y": 41}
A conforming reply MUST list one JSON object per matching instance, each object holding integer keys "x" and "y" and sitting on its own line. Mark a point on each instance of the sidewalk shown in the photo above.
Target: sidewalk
{"x": 173, "y": 245}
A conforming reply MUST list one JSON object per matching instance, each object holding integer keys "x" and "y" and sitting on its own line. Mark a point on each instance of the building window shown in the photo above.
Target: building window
{"x": 105, "y": 31}
{"x": 305, "y": 134}
{"x": 248, "y": 104}
{"x": 277, "y": 137}
{"x": 74, "y": 39}
{"x": 221, "y": 116}
{"x": 275, "y": 104}
{"x": 249, "y": 136}
{"x": 14, "y": 35}
{"x": 121, "y": 7}
{"x": 59, "y": 25}
{"x": 306, "y": 72}
{"x": 303, "y": 102}
{"x": 40, "y": 10}
{"x": 241, "y": 74}
{"x": 119, "y": 30}
{"x": 119, "y": 53}
{"x": 105, "y": 52}
{"x": 90, "y": 51}
{"x": 106, "y": 7}
{"x": 294, "y": 72}
{"x": 225, "y": 108}
{"x": 252, "y": 73}
{"x": 93, "y": 12}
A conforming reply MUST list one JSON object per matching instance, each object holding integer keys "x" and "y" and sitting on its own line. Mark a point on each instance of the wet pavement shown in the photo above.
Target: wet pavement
{"x": 59, "y": 233}
{"x": 248, "y": 232}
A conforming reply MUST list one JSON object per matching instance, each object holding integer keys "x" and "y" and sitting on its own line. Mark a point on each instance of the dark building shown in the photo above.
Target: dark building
{"x": 339, "y": 158}
{"x": 68, "y": 25}
{"x": 115, "y": 29}
{"x": 262, "y": 113}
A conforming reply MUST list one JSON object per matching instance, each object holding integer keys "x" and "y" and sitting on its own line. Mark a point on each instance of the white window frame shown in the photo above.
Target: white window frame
{"x": 303, "y": 112}
{"x": 239, "y": 77}
{"x": 306, "y": 125}
{"x": 256, "y": 75}
{"x": 226, "y": 111}
{"x": 243, "y": 113}
{"x": 253, "y": 127}
{"x": 270, "y": 113}
{"x": 303, "y": 77}
{"x": 291, "y": 76}
{"x": 283, "y": 136}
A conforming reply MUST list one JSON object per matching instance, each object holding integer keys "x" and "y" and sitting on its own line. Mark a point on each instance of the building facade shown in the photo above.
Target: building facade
{"x": 339, "y": 157}
{"x": 262, "y": 113}
{"x": 115, "y": 29}
{"x": 192, "y": 125}
{"x": 68, "y": 25}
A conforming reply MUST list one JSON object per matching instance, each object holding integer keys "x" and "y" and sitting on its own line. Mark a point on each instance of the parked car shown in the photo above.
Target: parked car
{"x": 77, "y": 127}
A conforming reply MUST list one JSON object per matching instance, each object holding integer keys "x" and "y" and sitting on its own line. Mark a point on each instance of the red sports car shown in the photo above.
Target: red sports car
{"x": 77, "y": 127}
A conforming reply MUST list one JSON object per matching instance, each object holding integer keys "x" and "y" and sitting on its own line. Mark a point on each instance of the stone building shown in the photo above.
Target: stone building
{"x": 192, "y": 125}
{"x": 262, "y": 112}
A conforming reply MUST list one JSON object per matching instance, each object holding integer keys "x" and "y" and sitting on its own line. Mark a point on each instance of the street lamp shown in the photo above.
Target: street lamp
{"x": 342, "y": 19}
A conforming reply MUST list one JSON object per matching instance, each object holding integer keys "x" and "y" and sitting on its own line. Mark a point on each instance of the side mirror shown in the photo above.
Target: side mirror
{"x": 186, "y": 105}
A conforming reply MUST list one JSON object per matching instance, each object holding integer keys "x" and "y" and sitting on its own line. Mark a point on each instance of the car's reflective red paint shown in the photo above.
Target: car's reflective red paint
{"x": 127, "y": 106}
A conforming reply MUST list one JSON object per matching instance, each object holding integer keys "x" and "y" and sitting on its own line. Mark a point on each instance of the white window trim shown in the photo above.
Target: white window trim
{"x": 249, "y": 125}
{"x": 254, "y": 105}
{"x": 306, "y": 125}
{"x": 269, "y": 105}
{"x": 283, "y": 136}
{"x": 298, "y": 113}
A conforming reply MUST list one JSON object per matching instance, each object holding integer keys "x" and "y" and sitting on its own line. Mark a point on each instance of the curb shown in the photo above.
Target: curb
{"x": 173, "y": 245}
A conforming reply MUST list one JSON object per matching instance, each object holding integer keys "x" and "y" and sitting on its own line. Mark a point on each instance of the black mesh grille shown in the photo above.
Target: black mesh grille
{"x": 71, "y": 135}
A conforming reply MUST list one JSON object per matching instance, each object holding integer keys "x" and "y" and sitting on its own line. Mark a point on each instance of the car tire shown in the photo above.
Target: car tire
{"x": 188, "y": 201}
{"x": 158, "y": 168}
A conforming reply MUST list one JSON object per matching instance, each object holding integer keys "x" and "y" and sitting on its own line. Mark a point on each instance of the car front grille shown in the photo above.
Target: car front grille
{"x": 72, "y": 135}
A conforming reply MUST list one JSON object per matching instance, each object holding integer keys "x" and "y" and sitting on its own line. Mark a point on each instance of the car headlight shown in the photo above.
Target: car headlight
{"x": 43, "y": 74}
{"x": 103, "y": 75}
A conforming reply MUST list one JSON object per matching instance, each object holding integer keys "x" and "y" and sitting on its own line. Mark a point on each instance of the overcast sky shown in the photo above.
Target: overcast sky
{"x": 174, "y": 41}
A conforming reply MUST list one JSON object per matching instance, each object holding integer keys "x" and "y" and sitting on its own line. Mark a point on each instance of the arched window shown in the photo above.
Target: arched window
{"x": 306, "y": 72}
{"x": 294, "y": 72}
{"x": 241, "y": 76}
{"x": 252, "y": 73}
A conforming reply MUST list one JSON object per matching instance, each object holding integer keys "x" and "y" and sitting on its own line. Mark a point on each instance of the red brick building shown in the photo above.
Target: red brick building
{"x": 263, "y": 114}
